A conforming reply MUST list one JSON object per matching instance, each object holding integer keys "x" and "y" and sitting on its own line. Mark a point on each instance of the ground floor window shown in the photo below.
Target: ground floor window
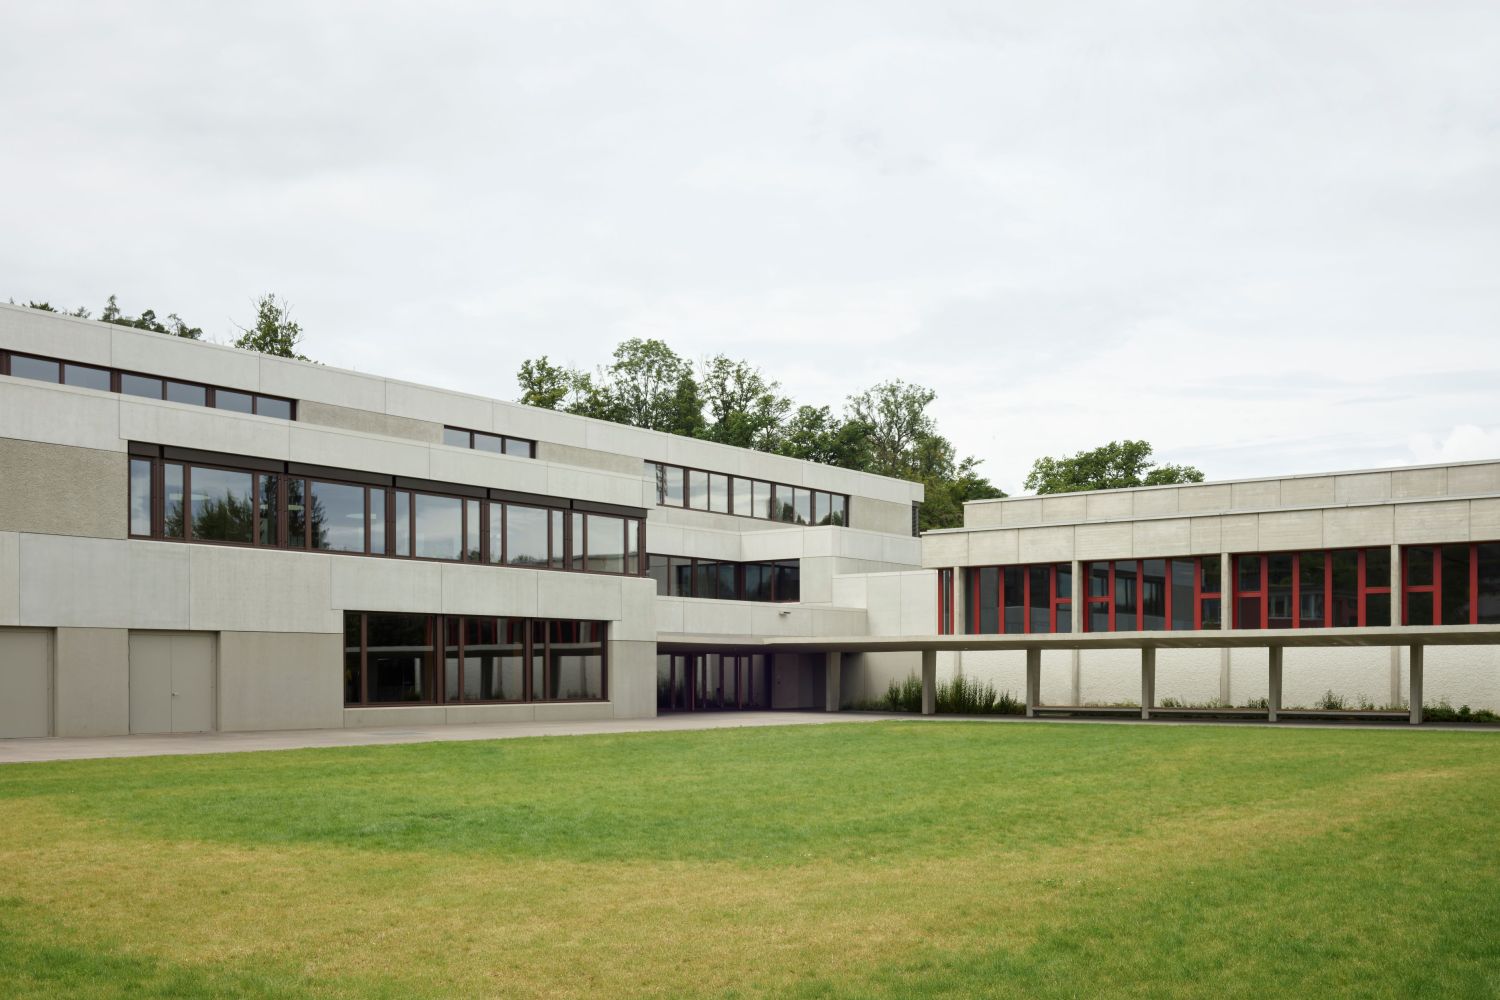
{"x": 1152, "y": 595}
{"x": 1016, "y": 600}
{"x": 945, "y": 601}
{"x": 394, "y": 659}
{"x": 1451, "y": 584}
{"x": 696, "y": 682}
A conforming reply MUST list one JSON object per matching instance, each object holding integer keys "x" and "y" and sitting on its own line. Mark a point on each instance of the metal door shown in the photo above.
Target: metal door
{"x": 25, "y": 683}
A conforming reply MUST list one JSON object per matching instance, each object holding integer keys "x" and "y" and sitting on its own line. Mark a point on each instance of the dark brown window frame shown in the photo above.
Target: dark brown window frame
{"x": 389, "y": 486}
{"x": 775, "y": 488}
{"x": 437, "y": 648}
{"x": 115, "y": 374}
{"x": 739, "y": 577}
{"x": 505, "y": 439}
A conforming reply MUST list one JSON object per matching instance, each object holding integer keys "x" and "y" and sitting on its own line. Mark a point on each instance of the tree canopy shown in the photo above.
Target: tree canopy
{"x": 1109, "y": 467}
{"x": 274, "y": 331}
{"x": 886, "y": 429}
{"x": 112, "y": 313}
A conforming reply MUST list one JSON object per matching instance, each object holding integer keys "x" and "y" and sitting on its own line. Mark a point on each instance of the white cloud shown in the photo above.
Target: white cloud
{"x": 1464, "y": 443}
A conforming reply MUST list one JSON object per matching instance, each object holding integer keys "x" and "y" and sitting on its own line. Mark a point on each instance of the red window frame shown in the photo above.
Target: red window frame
{"x": 1056, "y": 603}
{"x": 945, "y": 601}
{"x": 1108, "y": 600}
{"x": 1435, "y": 588}
{"x": 1362, "y": 588}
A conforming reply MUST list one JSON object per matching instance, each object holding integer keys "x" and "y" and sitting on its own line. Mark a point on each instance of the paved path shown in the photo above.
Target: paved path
{"x": 19, "y": 751}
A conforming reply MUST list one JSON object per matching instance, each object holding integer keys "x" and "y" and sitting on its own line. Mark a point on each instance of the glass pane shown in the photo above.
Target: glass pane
{"x": 1184, "y": 593}
{"x": 472, "y": 551}
{"x": 1377, "y": 609}
{"x": 452, "y": 628}
{"x": 1489, "y": 583}
{"x": 1064, "y": 618}
{"x": 575, "y": 555}
{"x": 455, "y": 438}
{"x": 239, "y": 402}
{"x": 1098, "y": 619}
{"x": 1378, "y": 567}
{"x": 526, "y": 535}
{"x": 760, "y": 500}
{"x": 270, "y": 501}
{"x": 558, "y": 560}
{"x": 1418, "y": 566}
{"x": 1344, "y": 566}
{"x": 987, "y": 615}
{"x": 351, "y": 657}
{"x": 729, "y": 587}
{"x": 86, "y": 378}
{"x": 1041, "y": 598}
{"x": 222, "y": 505}
{"x": 672, "y": 484}
{"x": 1279, "y": 591}
{"x": 697, "y": 489}
{"x": 1310, "y": 590}
{"x": 718, "y": 493}
{"x": 493, "y": 659}
{"x": 706, "y": 579}
{"x": 576, "y": 662}
{"x": 1248, "y": 568}
{"x": 173, "y": 522}
{"x": 377, "y": 521}
{"x": 819, "y": 507}
{"x": 1455, "y": 585}
{"x": 802, "y": 501}
{"x": 1014, "y": 581}
{"x": 491, "y": 443}
{"x": 296, "y": 514}
{"x": 496, "y": 529}
{"x": 338, "y": 517}
{"x": 1098, "y": 578}
{"x": 1247, "y": 613}
{"x": 1153, "y": 595}
{"x": 1211, "y": 574}
{"x": 657, "y": 569}
{"x": 782, "y": 506}
{"x": 182, "y": 392}
{"x": 1419, "y": 609}
{"x": 399, "y": 657}
{"x": 1212, "y": 616}
{"x": 538, "y": 661}
{"x": 519, "y": 447}
{"x": 632, "y": 546}
{"x": 741, "y": 496}
{"x": 757, "y": 585}
{"x": 34, "y": 368}
{"x": 140, "y": 496}
{"x": 439, "y": 526}
{"x": 1125, "y": 596}
{"x": 403, "y": 523}
{"x": 267, "y": 406}
{"x": 838, "y": 509}
{"x": 130, "y": 385}
{"x": 788, "y": 581}
{"x": 681, "y": 571}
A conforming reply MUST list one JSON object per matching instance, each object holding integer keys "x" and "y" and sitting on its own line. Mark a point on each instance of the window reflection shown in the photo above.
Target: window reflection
{"x": 338, "y": 517}
{"x": 222, "y": 510}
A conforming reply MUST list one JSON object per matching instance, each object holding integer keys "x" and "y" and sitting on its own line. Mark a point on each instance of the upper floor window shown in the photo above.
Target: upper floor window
{"x": 1017, "y": 600}
{"x": 1451, "y": 584}
{"x": 274, "y": 505}
{"x": 685, "y": 576}
{"x": 717, "y": 492}
{"x": 1151, "y": 595}
{"x": 495, "y": 444}
{"x": 1337, "y": 588}
{"x": 146, "y": 386}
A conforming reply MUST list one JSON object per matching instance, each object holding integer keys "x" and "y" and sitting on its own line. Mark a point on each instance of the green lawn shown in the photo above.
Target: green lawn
{"x": 890, "y": 859}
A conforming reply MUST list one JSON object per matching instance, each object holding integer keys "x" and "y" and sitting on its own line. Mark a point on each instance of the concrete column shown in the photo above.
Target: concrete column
{"x": 1396, "y": 620}
{"x": 1273, "y": 697}
{"x": 960, "y": 606}
{"x": 1033, "y": 680}
{"x": 1148, "y": 680}
{"x": 929, "y": 682}
{"x": 1226, "y": 591}
{"x": 833, "y": 665}
{"x": 1226, "y": 688}
{"x": 1416, "y": 684}
{"x": 1077, "y": 595}
{"x": 1395, "y": 698}
{"x": 1080, "y": 608}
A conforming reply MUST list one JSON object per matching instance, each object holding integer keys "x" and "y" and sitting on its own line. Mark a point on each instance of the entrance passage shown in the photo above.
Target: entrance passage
{"x": 701, "y": 682}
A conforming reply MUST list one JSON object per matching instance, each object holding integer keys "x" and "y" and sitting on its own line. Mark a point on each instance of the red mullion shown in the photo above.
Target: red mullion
{"x": 1052, "y": 599}
{"x": 1198, "y": 594}
{"x": 1000, "y": 600}
{"x": 1112, "y": 603}
{"x": 1167, "y": 594}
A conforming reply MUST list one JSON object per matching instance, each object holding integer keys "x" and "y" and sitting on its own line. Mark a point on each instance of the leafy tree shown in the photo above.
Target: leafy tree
{"x": 745, "y": 409}
{"x": 111, "y": 313}
{"x": 815, "y": 434}
{"x": 1113, "y": 466}
{"x": 895, "y": 418}
{"x": 274, "y": 332}
{"x": 544, "y": 384}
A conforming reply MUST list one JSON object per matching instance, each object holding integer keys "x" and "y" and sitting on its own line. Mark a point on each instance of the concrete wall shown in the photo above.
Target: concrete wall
{"x": 280, "y": 680}
{"x": 61, "y": 490}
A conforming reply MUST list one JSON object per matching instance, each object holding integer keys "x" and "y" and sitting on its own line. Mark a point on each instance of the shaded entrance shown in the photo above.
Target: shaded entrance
{"x": 700, "y": 682}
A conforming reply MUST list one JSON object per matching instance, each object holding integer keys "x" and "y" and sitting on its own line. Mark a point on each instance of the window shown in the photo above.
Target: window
{"x": 1451, "y": 584}
{"x": 684, "y": 576}
{"x": 141, "y": 491}
{"x": 1152, "y": 595}
{"x": 606, "y": 543}
{"x": 695, "y": 489}
{"x": 1016, "y": 600}
{"x": 437, "y": 526}
{"x": 526, "y": 542}
{"x": 338, "y": 517}
{"x": 1338, "y": 588}
{"x": 945, "y": 601}
{"x": 495, "y": 444}
{"x": 398, "y": 658}
{"x": 484, "y": 660}
{"x": 147, "y": 386}
{"x": 221, "y": 507}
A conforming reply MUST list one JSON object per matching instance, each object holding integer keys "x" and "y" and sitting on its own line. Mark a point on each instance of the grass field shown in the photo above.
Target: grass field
{"x": 885, "y": 859}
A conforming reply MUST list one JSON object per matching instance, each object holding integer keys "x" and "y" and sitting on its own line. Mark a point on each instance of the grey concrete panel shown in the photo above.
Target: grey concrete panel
{"x": 1154, "y": 502}
{"x": 292, "y": 591}
{"x": 57, "y": 490}
{"x": 81, "y": 418}
{"x": 25, "y": 683}
{"x": 1309, "y": 491}
{"x": 10, "y": 578}
{"x": 280, "y": 680}
{"x": 1446, "y": 521}
{"x": 869, "y": 514}
{"x": 92, "y": 681}
{"x": 103, "y": 583}
{"x": 1465, "y": 480}
{"x": 311, "y": 411}
{"x": 1419, "y": 482}
{"x": 54, "y": 335}
{"x": 632, "y": 679}
{"x": 588, "y": 458}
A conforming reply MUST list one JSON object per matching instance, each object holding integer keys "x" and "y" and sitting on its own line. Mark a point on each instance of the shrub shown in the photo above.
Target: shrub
{"x": 1445, "y": 712}
{"x": 959, "y": 696}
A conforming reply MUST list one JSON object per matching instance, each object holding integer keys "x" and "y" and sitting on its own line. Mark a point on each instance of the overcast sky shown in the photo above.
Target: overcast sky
{"x": 1264, "y": 236}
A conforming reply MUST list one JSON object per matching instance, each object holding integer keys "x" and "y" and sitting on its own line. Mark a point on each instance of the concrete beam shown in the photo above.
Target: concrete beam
{"x": 833, "y": 665}
{"x": 1416, "y": 685}
{"x": 929, "y": 682}
{"x": 1033, "y": 680}
{"x": 1273, "y": 697}
{"x": 1148, "y": 681}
